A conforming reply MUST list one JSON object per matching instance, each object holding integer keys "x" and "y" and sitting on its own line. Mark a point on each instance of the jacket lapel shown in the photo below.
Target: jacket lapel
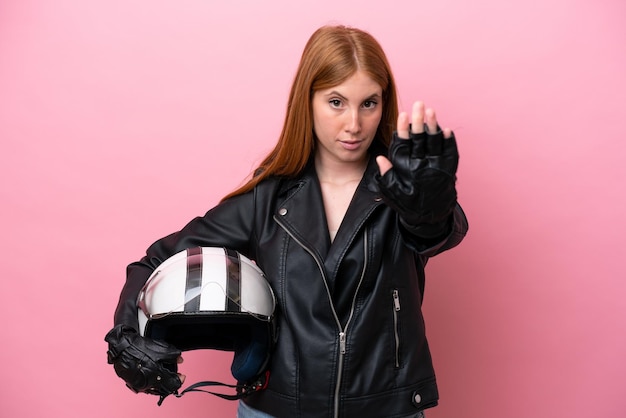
{"x": 302, "y": 212}
{"x": 363, "y": 203}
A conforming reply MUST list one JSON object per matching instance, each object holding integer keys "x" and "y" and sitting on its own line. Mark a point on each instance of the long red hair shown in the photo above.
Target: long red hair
{"x": 331, "y": 56}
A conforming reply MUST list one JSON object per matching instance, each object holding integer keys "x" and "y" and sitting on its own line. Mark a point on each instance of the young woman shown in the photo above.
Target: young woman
{"x": 342, "y": 217}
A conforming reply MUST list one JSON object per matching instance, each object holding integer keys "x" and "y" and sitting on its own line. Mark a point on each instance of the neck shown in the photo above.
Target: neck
{"x": 340, "y": 172}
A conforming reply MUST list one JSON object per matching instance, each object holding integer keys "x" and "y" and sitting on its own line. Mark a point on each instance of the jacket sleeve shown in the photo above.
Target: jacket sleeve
{"x": 230, "y": 225}
{"x": 456, "y": 231}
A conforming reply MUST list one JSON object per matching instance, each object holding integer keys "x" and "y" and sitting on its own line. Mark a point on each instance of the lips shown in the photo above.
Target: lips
{"x": 351, "y": 145}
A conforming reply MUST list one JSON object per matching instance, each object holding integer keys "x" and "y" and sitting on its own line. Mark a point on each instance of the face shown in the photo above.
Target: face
{"x": 345, "y": 119}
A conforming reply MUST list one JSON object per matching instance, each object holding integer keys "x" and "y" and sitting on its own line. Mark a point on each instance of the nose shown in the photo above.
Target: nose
{"x": 353, "y": 122}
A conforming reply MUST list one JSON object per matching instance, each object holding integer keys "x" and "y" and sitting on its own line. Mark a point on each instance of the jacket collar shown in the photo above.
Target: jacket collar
{"x": 302, "y": 211}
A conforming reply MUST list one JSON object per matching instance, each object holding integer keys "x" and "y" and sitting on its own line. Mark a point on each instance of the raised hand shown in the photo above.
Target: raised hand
{"x": 418, "y": 179}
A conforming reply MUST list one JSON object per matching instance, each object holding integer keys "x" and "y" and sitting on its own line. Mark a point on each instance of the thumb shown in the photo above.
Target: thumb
{"x": 384, "y": 164}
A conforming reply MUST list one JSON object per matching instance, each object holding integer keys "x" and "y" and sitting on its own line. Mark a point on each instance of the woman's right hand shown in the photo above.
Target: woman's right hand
{"x": 146, "y": 365}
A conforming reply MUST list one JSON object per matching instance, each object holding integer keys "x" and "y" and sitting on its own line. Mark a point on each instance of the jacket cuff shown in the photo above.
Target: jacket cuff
{"x": 436, "y": 231}
{"x": 450, "y": 236}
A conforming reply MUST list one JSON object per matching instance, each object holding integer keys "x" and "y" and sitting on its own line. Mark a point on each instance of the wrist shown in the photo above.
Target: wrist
{"x": 428, "y": 230}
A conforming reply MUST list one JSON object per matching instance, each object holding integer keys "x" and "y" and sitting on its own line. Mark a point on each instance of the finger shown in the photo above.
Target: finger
{"x": 418, "y": 145}
{"x": 434, "y": 142}
{"x": 179, "y": 359}
{"x": 431, "y": 120}
{"x": 384, "y": 164}
{"x": 447, "y": 133}
{"x": 403, "y": 126}
{"x": 182, "y": 378}
{"x": 417, "y": 118}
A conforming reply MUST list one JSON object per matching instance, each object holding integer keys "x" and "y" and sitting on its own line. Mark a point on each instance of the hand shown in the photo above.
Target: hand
{"x": 420, "y": 119}
{"x": 146, "y": 365}
{"x": 418, "y": 179}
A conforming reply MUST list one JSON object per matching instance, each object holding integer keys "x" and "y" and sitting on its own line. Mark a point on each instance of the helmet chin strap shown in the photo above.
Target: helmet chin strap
{"x": 242, "y": 390}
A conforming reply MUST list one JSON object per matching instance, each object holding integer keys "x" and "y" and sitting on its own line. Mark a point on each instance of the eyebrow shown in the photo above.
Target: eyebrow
{"x": 370, "y": 97}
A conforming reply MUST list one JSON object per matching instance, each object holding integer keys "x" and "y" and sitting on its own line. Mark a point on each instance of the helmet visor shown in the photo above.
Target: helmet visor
{"x": 204, "y": 280}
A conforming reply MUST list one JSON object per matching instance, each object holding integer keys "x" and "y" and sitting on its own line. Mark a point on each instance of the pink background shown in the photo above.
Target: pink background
{"x": 121, "y": 120}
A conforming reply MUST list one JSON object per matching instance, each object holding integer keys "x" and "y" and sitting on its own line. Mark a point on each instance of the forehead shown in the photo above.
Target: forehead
{"x": 359, "y": 84}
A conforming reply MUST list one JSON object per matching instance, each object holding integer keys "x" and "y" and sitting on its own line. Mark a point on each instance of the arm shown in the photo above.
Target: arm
{"x": 147, "y": 365}
{"x": 230, "y": 224}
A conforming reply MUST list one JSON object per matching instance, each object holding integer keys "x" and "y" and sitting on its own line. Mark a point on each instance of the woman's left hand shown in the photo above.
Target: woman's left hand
{"x": 418, "y": 179}
{"x": 420, "y": 117}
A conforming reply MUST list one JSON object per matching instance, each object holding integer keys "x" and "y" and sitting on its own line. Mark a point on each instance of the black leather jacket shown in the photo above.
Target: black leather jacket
{"x": 351, "y": 333}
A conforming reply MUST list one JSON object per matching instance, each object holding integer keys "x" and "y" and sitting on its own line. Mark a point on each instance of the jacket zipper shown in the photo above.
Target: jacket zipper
{"x": 342, "y": 336}
{"x": 396, "y": 334}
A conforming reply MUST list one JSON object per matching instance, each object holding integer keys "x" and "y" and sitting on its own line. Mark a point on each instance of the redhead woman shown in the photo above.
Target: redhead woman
{"x": 341, "y": 217}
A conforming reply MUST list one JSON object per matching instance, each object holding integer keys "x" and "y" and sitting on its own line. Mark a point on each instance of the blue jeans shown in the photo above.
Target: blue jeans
{"x": 244, "y": 411}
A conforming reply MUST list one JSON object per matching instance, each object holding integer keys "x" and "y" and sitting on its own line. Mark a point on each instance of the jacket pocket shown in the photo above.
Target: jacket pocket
{"x": 396, "y": 327}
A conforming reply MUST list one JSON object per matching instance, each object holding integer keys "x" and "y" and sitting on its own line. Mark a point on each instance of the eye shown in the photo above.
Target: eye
{"x": 336, "y": 103}
{"x": 369, "y": 104}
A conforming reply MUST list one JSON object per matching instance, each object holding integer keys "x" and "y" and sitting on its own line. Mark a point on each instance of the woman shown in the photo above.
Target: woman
{"x": 341, "y": 216}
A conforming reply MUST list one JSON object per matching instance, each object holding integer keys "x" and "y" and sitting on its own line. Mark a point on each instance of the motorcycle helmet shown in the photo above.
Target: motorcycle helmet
{"x": 211, "y": 298}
